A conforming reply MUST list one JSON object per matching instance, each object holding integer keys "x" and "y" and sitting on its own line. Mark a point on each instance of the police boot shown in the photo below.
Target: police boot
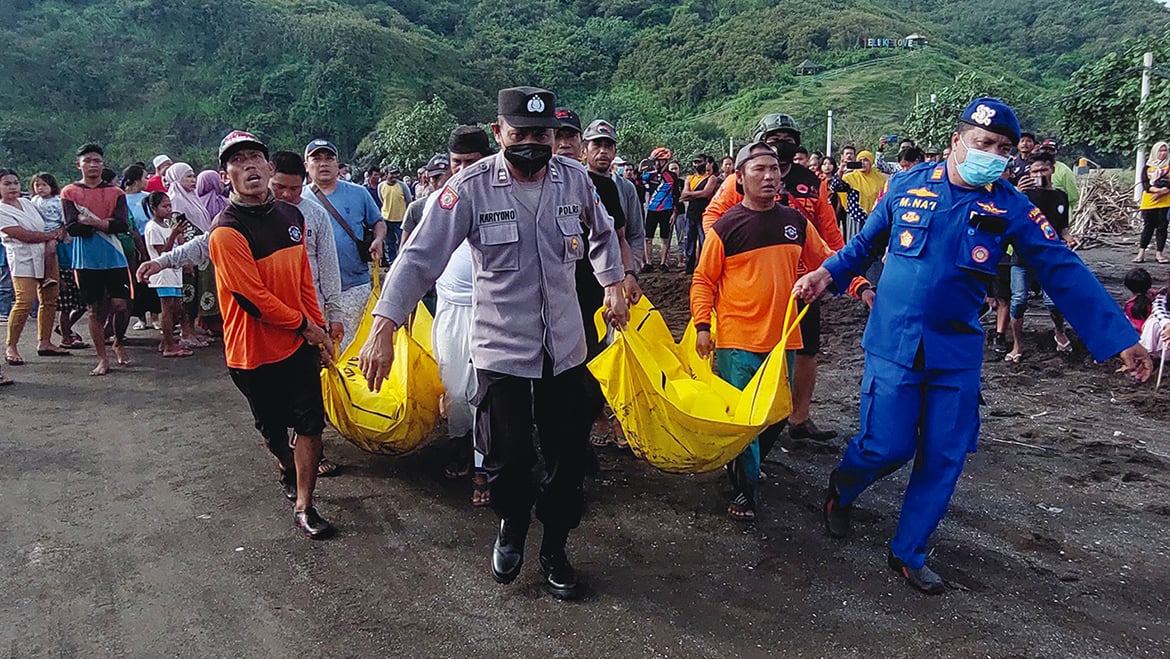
{"x": 836, "y": 515}
{"x": 922, "y": 579}
{"x": 508, "y": 553}
{"x": 560, "y": 579}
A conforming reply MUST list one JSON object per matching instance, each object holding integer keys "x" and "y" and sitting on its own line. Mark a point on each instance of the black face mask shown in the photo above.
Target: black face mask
{"x": 701, "y": 168}
{"x": 528, "y": 158}
{"x": 785, "y": 151}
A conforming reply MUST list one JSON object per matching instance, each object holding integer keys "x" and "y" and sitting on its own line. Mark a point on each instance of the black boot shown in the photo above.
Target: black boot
{"x": 560, "y": 579}
{"x": 508, "y": 553}
{"x": 836, "y": 515}
{"x": 922, "y": 579}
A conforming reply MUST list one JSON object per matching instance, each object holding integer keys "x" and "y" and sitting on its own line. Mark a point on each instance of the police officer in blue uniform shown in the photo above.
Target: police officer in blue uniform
{"x": 948, "y": 224}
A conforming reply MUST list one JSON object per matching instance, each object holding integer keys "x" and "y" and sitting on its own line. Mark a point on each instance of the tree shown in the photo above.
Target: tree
{"x": 932, "y": 122}
{"x": 411, "y": 139}
{"x": 1101, "y": 103}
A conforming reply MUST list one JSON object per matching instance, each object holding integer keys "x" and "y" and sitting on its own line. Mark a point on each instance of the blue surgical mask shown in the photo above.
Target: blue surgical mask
{"x": 981, "y": 167}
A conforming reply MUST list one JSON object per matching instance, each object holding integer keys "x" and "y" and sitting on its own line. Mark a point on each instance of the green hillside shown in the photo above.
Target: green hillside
{"x": 868, "y": 99}
{"x": 148, "y": 75}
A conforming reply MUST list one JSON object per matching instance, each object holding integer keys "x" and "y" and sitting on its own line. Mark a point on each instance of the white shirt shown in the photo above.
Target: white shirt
{"x": 24, "y": 259}
{"x": 456, "y": 283}
{"x": 157, "y": 234}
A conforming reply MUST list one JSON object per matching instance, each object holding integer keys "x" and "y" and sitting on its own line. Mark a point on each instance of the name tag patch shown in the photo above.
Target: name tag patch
{"x": 924, "y": 204}
{"x": 570, "y": 209}
{"x": 491, "y": 217}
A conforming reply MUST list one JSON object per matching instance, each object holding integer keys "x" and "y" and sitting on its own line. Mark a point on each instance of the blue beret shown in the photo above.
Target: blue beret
{"x": 994, "y": 115}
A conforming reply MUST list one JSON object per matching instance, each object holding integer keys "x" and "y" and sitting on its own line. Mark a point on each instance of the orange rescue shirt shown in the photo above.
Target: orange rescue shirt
{"x": 746, "y": 272}
{"x": 264, "y": 282}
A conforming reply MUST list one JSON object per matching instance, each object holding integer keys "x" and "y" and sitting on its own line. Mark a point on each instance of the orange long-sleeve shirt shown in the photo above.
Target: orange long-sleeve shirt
{"x": 264, "y": 282}
{"x": 746, "y": 272}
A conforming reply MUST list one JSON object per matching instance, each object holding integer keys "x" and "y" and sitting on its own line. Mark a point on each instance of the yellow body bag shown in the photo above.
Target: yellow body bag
{"x": 676, "y": 413}
{"x": 397, "y": 419}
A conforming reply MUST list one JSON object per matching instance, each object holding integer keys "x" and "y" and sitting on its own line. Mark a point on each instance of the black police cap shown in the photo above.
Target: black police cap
{"x": 528, "y": 107}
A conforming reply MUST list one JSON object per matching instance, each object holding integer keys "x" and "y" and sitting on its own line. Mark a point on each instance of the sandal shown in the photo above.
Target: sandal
{"x": 1064, "y": 347}
{"x": 741, "y": 509}
{"x": 456, "y": 469}
{"x": 181, "y": 352}
{"x": 74, "y": 344}
{"x": 53, "y": 352}
{"x": 325, "y": 468}
{"x": 601, "y": 433}
{"x": 6, "y": 381}
{"x": 462, "y": 460}
{"x": 14, "y": 361}
{"x": 481, "y": 493}
{"x": 1012, "y": 357}
{"x": 619, "y": 435}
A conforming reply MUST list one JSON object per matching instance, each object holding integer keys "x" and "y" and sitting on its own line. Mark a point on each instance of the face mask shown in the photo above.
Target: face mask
{"x": 785, "y": 151}
{"x": 528, "y": 158}
{"x": 981, "y": 167}
{"x": 701, "y": 168}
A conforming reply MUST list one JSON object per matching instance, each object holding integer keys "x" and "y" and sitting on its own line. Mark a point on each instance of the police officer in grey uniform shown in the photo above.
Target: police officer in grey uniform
{"x": 522, "y": 212}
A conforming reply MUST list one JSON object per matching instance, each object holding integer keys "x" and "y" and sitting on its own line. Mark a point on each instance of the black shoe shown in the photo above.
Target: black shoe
{"x": 288, "y": 485}
{"x": 923, "y": 579}
{"x": 313, "y": 524}
{"x": 560, "y": 579}
{"x": 836, "y": 515}
{"x": 508, "y": 552}
{"x": 1000, "y": 343}
{"x": 809, "y": 430}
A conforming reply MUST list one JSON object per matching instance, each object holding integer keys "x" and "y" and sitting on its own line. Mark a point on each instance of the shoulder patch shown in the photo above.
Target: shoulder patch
{"x": 448, "y": 198}
{"x": 1049, "y": 231}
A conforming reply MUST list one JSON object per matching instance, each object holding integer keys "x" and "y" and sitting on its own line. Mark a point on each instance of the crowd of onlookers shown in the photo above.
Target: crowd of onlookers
{"x": 37, "y": 262}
